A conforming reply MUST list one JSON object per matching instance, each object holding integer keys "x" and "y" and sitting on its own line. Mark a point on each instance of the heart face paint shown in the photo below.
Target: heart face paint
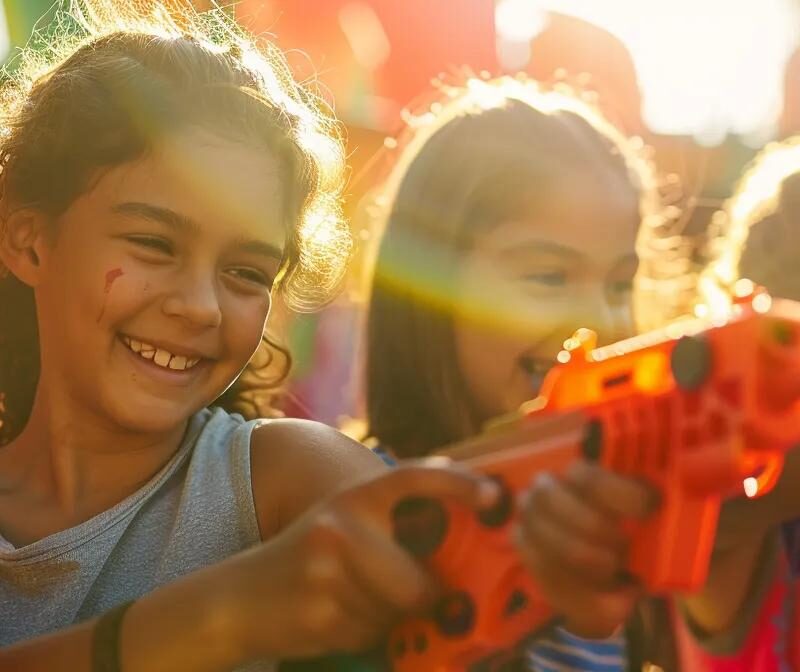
{"x": 111, "y": 276}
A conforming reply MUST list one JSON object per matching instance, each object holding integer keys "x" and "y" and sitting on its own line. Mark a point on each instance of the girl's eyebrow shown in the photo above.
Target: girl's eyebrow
{"x": 261, "y": 248}
{"x": 170, "y": 218}
{"x": 541, "y": 246}
{"x": 179, "y": 222}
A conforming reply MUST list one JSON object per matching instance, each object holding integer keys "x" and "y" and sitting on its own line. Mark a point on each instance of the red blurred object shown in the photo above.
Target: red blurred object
{"x": 424, "y": 38}
{"x": 693, "y": 409}
{"x": 585, "y": 51}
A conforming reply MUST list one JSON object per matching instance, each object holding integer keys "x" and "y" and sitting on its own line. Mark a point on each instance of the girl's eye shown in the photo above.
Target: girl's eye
{"x": 251, "y": 275}
{"x": 622, "y": 286}
{"x": 152, "y": 243}
{"x": 547, "y": 279}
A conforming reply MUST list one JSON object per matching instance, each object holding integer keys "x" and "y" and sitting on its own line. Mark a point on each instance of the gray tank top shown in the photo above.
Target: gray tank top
{"x": 196, "y": 511}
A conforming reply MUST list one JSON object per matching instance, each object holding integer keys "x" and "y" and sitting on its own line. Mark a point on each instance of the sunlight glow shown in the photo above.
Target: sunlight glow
{"x": 365, "y": 34}
{"x": 517, "y": 22}
{"x": 5, "y": 38}
{"x": 706, "y": 68}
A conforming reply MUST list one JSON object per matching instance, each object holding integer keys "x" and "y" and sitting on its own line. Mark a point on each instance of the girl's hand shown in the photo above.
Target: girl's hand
{"x": 571, "y": 537}
{"x": 335, "y": 580}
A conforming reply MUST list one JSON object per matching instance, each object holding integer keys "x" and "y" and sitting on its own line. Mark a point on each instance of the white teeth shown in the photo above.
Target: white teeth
{"x": 160, "y": 356}
{"x": 178, "y": 362}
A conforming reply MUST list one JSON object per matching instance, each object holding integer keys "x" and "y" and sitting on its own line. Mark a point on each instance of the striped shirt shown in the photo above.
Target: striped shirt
{"x": 560, "y": 651}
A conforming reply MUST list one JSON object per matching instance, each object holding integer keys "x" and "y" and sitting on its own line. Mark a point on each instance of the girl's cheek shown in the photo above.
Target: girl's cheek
{"x": 124, "y": 289}
{"x": 259, "y": 308}
{"x": 248, "y": 320}
{"x": 111, "y": 276}
{"x": 546, "y": 316}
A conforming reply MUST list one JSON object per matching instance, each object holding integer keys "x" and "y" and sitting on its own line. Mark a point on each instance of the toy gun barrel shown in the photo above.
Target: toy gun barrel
{"x": 692, "y": 409}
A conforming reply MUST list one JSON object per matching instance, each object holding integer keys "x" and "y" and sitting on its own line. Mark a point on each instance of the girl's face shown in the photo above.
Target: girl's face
{"x": 156, "y": 287}
{"x": 526, "y": 285}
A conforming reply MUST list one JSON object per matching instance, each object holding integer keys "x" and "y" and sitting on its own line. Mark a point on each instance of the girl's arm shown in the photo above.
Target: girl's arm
{"x": 748, "y": 531}
{"x": 331, "y": 579}
{"x": 184, "y": 625}
{"x": 732, "y": 591}
{"x": 751, "y": 629}
{"x": 297, "y": 463}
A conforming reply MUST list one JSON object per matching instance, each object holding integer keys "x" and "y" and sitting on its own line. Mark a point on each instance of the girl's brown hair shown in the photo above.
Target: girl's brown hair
{"x": 119, "y": 75}
{"x": 483, "y": 154}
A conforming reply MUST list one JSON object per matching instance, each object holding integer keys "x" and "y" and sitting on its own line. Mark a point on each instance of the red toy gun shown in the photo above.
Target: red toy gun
{"x": 696, "y": 409}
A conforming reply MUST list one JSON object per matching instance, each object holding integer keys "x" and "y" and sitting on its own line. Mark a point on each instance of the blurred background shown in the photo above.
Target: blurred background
{"x": 704, "y": 82}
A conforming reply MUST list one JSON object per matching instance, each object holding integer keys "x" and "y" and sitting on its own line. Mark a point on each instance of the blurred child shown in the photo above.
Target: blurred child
{"x": 757, "y": 234}
{"x": 746, "y": 617}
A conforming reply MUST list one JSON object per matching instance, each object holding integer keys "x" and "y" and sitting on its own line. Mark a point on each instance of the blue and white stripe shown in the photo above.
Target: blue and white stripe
{"x": 561, "y": 651}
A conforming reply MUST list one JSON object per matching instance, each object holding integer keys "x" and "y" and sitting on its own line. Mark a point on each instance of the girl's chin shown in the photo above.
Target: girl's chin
{"x": 152, "y": 415}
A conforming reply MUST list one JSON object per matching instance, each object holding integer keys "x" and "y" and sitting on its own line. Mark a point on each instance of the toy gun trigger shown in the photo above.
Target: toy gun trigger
{"x": 728, "y": 468}
{"x": 761, "y": 471}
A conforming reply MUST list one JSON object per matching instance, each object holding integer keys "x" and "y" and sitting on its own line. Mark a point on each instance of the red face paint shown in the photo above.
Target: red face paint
{"x": 111, "y": 276}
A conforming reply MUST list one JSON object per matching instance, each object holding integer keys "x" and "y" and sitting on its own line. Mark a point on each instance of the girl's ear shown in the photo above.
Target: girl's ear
{"x": 23, "y": 244}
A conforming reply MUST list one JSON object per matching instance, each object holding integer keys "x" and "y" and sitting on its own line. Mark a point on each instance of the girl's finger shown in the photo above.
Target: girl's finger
{"x": 564, "y": 506}
{"x": 618, "y": 495}
{"x": 559, "y": 546}
{"x": 436, "y": 478}
{"x": 391, "y": 579}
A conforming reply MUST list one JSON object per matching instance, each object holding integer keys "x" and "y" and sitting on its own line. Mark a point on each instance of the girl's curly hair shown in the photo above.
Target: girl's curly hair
{"x": 100, "y": 90}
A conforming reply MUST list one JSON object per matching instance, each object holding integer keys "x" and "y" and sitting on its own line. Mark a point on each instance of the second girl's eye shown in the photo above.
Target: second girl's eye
{"x": 547, "y": 278}
{"x": 620, "y": 281}
{"x": 154, "y": 243}
{"x": 622, "y": 286}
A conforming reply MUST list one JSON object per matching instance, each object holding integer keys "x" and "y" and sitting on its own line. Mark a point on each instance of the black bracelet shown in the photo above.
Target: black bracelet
{"x": 105, "y": 639}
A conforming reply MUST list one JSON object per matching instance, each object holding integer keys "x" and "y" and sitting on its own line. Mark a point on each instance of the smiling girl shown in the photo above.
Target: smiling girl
{"x": 162, "y": 180}
{"x": 510, "y": 220}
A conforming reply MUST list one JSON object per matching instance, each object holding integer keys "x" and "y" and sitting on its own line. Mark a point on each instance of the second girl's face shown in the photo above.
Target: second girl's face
{"x": 527, "y": 284}
{"x": 157, "y": 283}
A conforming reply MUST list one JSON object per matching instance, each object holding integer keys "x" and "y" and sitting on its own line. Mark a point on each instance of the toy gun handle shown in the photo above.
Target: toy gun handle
{"x": 490, "y": 602}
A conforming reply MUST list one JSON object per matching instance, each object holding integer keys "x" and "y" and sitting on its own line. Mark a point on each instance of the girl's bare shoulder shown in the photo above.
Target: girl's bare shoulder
{"x": 296, "y": 463}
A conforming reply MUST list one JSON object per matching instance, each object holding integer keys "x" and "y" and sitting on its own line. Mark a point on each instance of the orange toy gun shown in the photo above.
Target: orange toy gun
{"x": 695, "y": 409}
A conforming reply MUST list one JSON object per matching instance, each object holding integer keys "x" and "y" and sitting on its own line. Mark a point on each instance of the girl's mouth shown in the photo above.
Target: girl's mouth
{"x": 159, "y": 356}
